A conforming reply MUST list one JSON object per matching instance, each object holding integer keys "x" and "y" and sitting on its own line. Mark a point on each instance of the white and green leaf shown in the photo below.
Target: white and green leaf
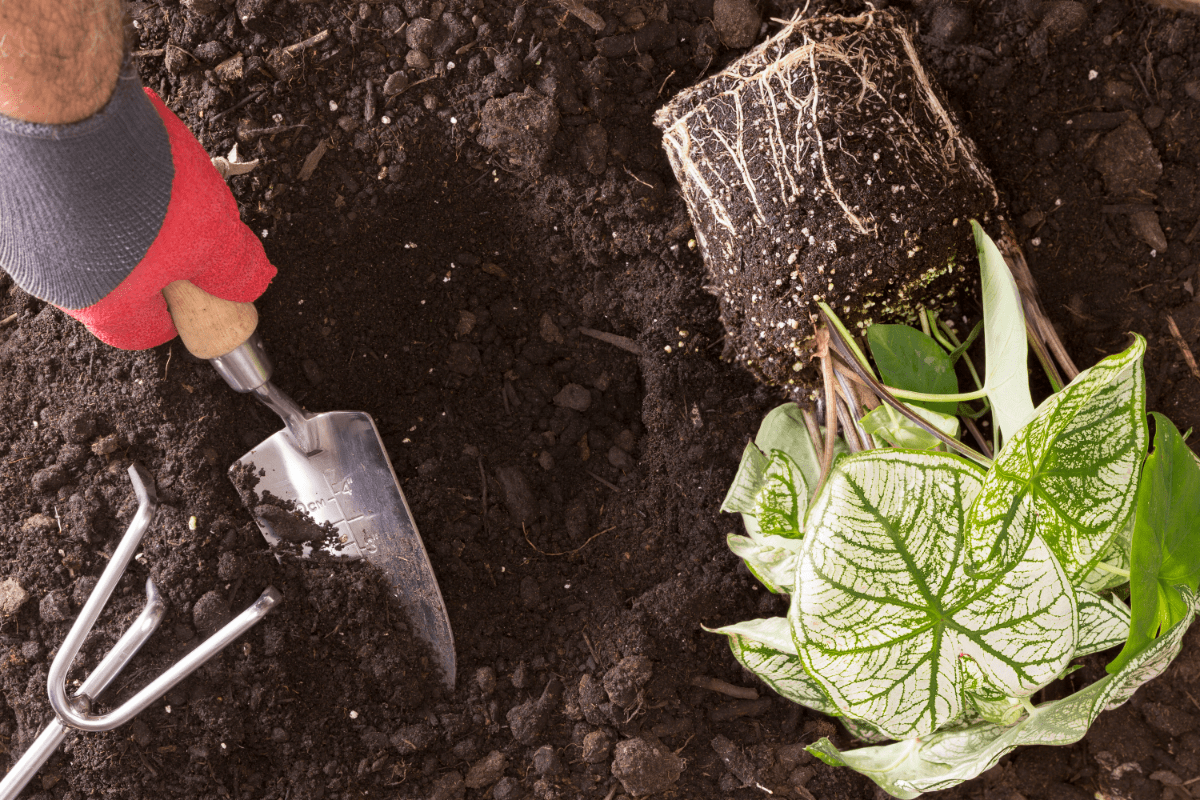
{"x": 1103, "y": 622}
{"x": 885, "y": 615}
{"x": 765, "y": 647}
{"x": 784, "y": 429}
{"x": 782, "y": 499}
{"x": 1112, "y": 570}
{"x": 1006, "y": 377}
{"x": 773, "y": 481}
{"x": 774, "y": 567}
{"x": 947, "y": 758}
{"x": 1069, "y": 475}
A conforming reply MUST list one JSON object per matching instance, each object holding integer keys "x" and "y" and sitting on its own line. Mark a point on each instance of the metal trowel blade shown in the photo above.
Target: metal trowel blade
{"x": 349, "y": 483}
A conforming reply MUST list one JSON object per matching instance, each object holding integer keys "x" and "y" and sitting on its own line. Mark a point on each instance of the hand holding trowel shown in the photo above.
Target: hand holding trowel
{"x": 106, "y": 198}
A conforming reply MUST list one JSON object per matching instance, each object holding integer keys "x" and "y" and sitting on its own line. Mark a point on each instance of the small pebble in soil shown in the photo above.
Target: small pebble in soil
{"x": 623, "y": 681}
{"x": 645, "y": 767}
{"x": 448, "y": 787}
{"x": 54, "y": 607}
{"x": 12, "y": 596}
{"x": 210, "y": 612}
{"x": 596, "y": 747}
{"x": 546, "y": 761}
{"x": 518, "y": 494}
{"x": 409, "y": 739}
{"x": 485, "y": 680}
{"x": 507, "y": 789}
{"x": 486, "y": 771}
{"x": 737, "y": 22}
{"x": 49, "y": 479}
{"x": 574, "y": 397}
{"x": 77, "y": 427}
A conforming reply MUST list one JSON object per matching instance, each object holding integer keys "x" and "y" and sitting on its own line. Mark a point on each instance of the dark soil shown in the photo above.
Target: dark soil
{"x": 446, "y": 271}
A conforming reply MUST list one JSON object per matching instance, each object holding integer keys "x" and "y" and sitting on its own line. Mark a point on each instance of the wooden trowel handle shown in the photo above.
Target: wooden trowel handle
{"x": 209, "y": 326}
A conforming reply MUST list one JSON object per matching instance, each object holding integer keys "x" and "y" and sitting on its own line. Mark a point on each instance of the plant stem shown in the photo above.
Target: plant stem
{"x": 1033, "y": 712}
{"x": 924, "y": 317}
{"x": 1109, "y": 568}
{"x": 1044, "y": 359}
{"x": 847, "y": 338}
{"x": 962, "y": 397}
{"x": 938, "y": 336}
{"x": 830, "y": 419}
{"x": 966, "y": 358}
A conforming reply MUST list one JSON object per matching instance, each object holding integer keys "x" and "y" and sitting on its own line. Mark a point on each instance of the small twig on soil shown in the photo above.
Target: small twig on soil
{"x": 639, "y": 180}
{"x": 311, "y": 41}
{"x": 244, "y": 101}
{"x": 718, "y": 685}
{"x": 1193, "y": 233}
{"x": 1186, "y": 351}
{"x": 258, "y": 133}
{"x": 565, "y": 552}
{"x": 1128, "y": 208}
{"x": 612, "y": 792}
{"x": 622, "y": 342}
{"x": 157, "y": 51}
{"x": 664, "y": 83}
{"x": 11, "y": 318}
{"x": 1035, "y": 317}
{"x": 1137, "y": 74}
{"x": 167, "y": 367}
{"x": 609, "y": 484}
{"x": 483, "y": 480}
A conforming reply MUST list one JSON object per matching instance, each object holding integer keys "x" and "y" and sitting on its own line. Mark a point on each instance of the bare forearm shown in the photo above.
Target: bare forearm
{"x": 59, "y": 59}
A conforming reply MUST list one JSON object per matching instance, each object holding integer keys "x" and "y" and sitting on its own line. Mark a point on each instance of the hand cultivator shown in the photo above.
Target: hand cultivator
{"x": 76, "y": 711}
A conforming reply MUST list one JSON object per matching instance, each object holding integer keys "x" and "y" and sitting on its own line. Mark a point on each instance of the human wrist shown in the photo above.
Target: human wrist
{"x": 59, "y": 59}
{"x": 83, "y": 202}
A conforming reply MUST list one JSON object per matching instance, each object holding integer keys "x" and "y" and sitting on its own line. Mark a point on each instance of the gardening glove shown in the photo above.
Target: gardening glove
{"x": 96, "y": 217}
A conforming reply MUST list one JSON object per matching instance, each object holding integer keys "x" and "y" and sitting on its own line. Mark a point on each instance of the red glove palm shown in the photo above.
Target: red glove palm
{"x": 202, "y": 239}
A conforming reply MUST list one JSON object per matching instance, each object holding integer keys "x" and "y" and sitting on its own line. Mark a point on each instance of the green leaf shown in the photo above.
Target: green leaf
{"x": 899, "y": 431}
{"x": 908, "y": 359}
{"x": 1006, "y": 376}
{"x": 747, "y": 481}
{"x": 1069, "y": 475}
{"x": 949, "y": 757}
{"x": 1165, "y": 552}
{"x": 886, "y": 618}
{"x": 774, "y": 567}
{"x": 765, "y": 647}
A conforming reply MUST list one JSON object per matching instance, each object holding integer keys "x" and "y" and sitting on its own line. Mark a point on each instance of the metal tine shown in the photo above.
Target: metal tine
{"x": 108, "y": 668}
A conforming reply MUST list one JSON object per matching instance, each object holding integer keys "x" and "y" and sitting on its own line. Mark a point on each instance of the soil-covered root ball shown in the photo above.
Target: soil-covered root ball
{"x": 824, "y": 166}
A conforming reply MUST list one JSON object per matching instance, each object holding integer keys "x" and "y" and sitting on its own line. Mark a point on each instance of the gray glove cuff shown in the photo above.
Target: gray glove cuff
{"x": 80, "y": 204}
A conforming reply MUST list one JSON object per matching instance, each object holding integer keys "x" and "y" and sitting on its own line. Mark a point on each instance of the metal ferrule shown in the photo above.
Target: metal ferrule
{"x": 246, "y": 367}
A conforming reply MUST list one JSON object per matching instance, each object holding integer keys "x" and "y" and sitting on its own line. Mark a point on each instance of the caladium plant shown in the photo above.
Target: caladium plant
{"x": 936, "y": 589}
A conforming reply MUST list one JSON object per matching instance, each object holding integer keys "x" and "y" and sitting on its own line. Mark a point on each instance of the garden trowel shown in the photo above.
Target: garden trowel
{"x": 325, "y": 471}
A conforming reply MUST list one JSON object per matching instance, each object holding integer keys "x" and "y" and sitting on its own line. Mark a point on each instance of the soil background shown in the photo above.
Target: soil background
{"x": 457, "y": 194}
